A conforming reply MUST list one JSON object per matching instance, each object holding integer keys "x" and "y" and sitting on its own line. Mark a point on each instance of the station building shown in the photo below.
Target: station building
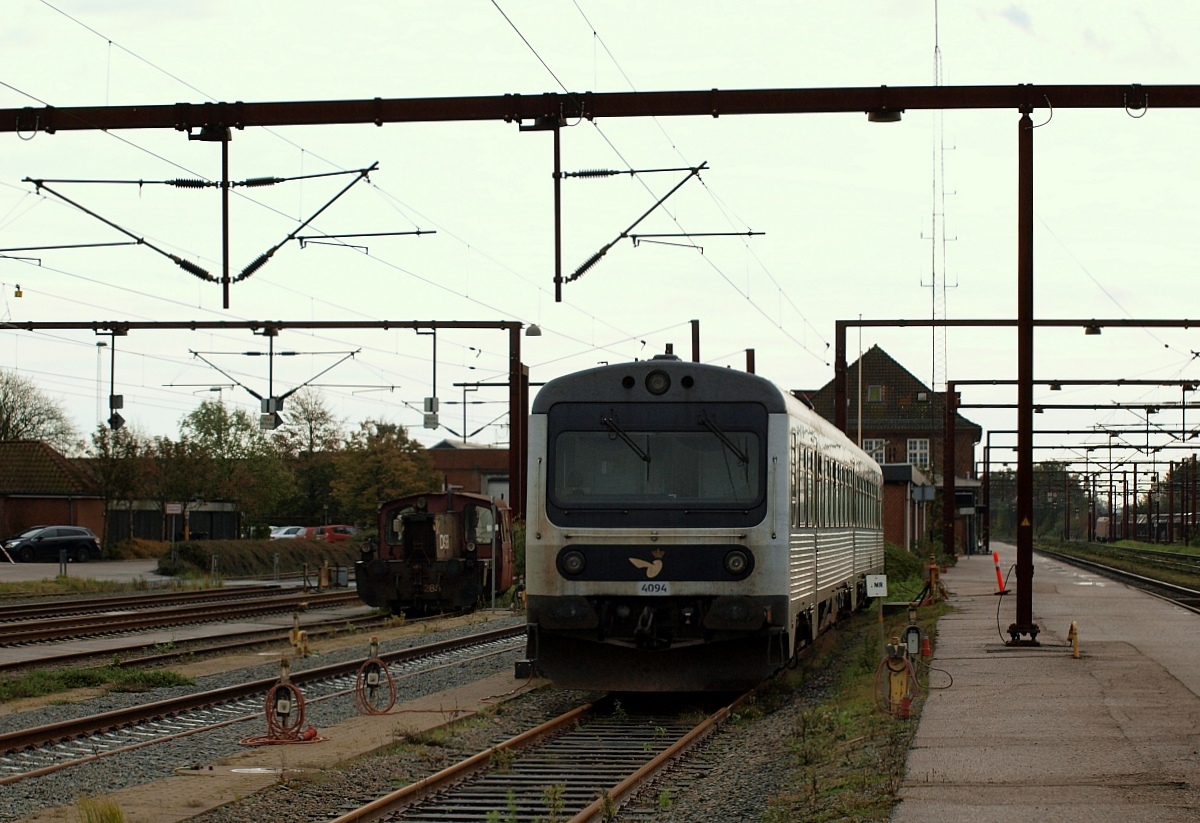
{"x": 903, "y": 429}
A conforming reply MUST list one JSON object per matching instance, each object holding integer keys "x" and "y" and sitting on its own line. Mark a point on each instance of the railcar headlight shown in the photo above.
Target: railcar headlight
{"x": 657, "y": 382}
{"x": 736, "y": 562}
{"x": 573, "y": 562}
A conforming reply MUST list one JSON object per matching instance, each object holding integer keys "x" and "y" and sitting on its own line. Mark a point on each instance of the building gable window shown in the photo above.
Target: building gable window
{"x": 874, "y": 394}
{"x": 918, "y": 451}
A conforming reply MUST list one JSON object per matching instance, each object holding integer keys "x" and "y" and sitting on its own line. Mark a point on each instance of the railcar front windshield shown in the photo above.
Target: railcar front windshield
{"x": 656, "y": 469}
{"x": 657, "y": 457}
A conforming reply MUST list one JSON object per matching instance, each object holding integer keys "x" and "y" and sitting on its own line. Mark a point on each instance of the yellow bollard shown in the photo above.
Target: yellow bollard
{"x": 1073, "y": 636}
{"x": 301, "y": 644}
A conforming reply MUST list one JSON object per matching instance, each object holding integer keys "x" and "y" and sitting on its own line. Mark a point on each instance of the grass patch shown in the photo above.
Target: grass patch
{"x": 135, "y": 549}
{"x": 103, "y": 810}
{"x": 60, "y": 585}
{"x": 42, "y": 683}
{"x": 1122, "y": 555}
{"x": 238, "y": 558}
{"x": 850, "y": 756}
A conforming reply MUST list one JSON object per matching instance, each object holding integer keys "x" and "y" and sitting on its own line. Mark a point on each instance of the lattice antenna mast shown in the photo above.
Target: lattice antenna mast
{"x": 938, "y": 240}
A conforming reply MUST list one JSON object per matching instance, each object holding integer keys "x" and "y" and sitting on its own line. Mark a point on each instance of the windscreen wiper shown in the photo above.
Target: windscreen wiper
{"x": 611, "y": 424}
{"x": 743, "y": 460}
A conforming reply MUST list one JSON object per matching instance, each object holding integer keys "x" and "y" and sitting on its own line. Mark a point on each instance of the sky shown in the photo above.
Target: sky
{"x": 857, "y": 219}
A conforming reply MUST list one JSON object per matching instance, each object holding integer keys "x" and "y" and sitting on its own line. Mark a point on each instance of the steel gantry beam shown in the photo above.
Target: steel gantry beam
{"x": 510, "y": 108}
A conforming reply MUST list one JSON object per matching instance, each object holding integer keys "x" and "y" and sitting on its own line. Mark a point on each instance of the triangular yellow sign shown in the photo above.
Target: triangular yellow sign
{"x": 1025, "y": 522}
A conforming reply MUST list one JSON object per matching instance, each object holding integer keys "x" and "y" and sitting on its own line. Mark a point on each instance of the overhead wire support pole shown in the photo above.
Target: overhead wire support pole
{"x": 1023, "y": 626}
{"x": 558, "y": 278}
{"x": 225, "y": 220}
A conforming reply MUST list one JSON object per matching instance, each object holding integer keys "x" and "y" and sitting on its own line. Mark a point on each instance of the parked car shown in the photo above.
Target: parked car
{"x": 45, "y": 542}
{"x": 287, "y": 532}
{"x": 331, "y": 534}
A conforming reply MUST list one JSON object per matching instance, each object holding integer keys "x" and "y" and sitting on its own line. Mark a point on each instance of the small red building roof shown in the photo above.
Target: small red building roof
{"x": 33, "y": 467}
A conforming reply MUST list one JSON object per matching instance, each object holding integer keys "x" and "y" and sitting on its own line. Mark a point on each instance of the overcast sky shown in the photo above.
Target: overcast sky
{"x": 847, "y": 207}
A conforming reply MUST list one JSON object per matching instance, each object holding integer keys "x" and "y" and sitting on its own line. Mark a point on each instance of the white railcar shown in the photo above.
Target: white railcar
{"x": 689, "y": 527}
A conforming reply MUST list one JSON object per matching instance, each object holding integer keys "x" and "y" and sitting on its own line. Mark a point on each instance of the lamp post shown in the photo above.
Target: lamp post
{"x": 100, "y": 347}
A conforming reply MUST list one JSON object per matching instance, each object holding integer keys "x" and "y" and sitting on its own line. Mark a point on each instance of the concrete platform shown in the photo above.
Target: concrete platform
{"x": 1032, "y": 733}
{"x": 124, "y": 570}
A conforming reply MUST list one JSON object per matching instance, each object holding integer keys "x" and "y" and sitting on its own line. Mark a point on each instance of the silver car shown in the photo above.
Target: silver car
{"x": 286, "y": 532}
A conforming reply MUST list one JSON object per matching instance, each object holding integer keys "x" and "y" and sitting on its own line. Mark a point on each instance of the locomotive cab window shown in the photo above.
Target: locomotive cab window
{"x": 395, "y": 534}
{"x": 481, "y": 525}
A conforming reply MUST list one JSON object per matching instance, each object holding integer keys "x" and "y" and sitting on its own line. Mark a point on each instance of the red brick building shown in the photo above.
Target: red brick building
{"x": 903, "y": 421}
{"x": 474, "y": 468}
{"x": 40, "y": 487}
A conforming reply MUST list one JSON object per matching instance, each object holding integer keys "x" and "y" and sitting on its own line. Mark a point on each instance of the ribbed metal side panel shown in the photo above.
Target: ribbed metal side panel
{"x": 835, "y": 558}
{"x": 802, "y": 572}
{"x": 868, "y": 552}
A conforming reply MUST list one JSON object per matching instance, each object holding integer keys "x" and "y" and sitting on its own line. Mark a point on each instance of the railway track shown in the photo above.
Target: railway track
{"x": 65, "y": 607}
{"x": 1183, "y": 596}
{"x": 45, "y": 749}
{"x": 132, "y": 654}
{"x": 580, "y": 766}
{"x": 89, "y": 625}
{"x": 1173, "y": 561}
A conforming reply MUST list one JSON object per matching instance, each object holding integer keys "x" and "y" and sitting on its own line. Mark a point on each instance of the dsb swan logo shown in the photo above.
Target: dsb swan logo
{"x": 652, "y": 568}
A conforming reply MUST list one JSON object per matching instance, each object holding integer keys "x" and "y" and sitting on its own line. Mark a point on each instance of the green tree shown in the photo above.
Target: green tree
{"x": 1057, "y": 495}
{"x": 311, "y": 440}
{"x": 28, "y": 413}
{"x": 234, "y": 459}
{"x": 380, "y": 463}
{"x": 120, "y": 464}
